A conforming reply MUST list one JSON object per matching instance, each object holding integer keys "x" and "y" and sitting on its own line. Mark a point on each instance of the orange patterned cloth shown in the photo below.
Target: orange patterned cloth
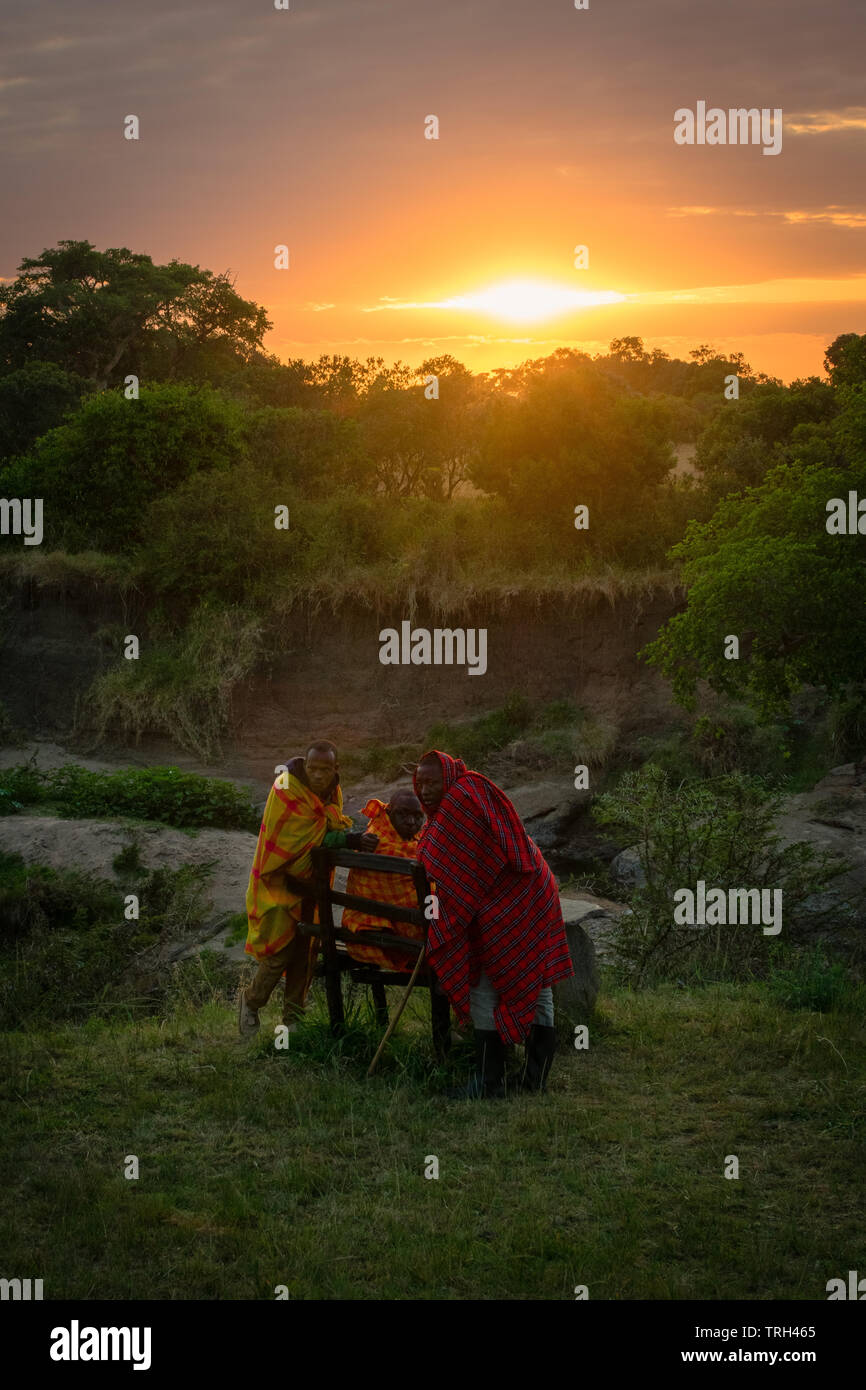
{"x": 294, "y": 823}
{"x": 383, "y": 888}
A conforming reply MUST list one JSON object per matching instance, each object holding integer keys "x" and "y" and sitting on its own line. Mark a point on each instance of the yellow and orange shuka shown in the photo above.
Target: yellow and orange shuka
{"x": 384, "y": 888}
{"x": 294, "y": 823}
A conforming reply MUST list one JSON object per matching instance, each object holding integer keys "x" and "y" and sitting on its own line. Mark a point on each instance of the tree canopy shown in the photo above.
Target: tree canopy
{"x": 765, "y": 569}
{"x": 105, "y": 314}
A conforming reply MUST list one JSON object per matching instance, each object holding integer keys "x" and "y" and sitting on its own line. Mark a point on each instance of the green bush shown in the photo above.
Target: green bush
{"x": 721, "y": 831}
{"x": 734, "y": 740}
{"x": 182, "y": 686}
{"x": 807, "y": 979}
{"x": 66, "y": 948}
{"x": 476, "y": 739}
{"x": 848, "y": 726}
{"x": 558, "y": 714}
{"x": 20, "y": 786}
{"x": 182, "y": 799}
{"x": 106, "y": 464}
{"x": 127, "y": 862}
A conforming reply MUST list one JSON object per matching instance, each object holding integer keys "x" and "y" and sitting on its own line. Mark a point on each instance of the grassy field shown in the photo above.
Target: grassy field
{"x": 261, "y": 1168}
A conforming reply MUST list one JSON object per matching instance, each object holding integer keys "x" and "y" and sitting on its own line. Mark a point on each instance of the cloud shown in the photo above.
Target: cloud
{"x": 850, "y": 290}
{"x": 512, "y": 299}
{"x": 700, "y": 211}
{"x": 824, "y": 122}
{"x": 835, "y": 215}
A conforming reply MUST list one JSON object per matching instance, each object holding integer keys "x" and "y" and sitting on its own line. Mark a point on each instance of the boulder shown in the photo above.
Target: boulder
{"x": 832, "y": 817}
{"x": 574, "y": 999}
{"x": 542, "y": 799}
{"x": 627, "y": 869}
{"x": 557, "y": 817}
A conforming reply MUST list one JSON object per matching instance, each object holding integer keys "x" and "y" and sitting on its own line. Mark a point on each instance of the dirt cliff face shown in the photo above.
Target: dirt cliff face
{"x": 49, "y": 653}
{"x": 324, "y": 677}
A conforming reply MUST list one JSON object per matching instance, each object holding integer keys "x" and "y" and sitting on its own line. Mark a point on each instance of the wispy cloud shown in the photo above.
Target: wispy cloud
{"x": 56, "y": 45}
{"x": 823, "y": 122}
{"x": 835, "y": 215}
{"x": 699, "y": 211}
{"x": 513, "y": 299}
{"x": 805, "y": 291}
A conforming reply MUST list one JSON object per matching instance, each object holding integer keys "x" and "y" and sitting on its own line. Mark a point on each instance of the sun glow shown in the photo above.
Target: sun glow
{"x": 526, "y": 300}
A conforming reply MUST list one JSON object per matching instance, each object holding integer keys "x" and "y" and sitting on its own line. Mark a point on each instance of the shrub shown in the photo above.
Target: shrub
{"x": 65, "y": 946}
{"x": 125, "y": 454}
{"x": 806, "y": 979}
{"x": 182, "y": 799}
{"x": 476, "y": 739}
{"x": 127, "y": 862}
{"x": 720, "y": 831}
{"x": 735, "y": 740}
{"x": 20, "y": 786}
{"x": 184, "y": 687}
{"x": 848, "y": 726}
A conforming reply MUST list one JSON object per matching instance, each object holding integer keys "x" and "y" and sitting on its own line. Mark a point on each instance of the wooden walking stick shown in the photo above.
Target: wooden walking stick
{"x": 400, "y": 1007}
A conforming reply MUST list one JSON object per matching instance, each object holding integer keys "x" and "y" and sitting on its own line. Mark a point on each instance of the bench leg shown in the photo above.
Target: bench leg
{"x": 380, "y": 1000}
{"x": 334, "y": 994}
{"x": 440, "y": 1017}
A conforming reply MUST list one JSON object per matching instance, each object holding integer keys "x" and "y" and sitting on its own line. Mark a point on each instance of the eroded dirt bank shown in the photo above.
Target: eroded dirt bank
{"x": 324, "y": 676}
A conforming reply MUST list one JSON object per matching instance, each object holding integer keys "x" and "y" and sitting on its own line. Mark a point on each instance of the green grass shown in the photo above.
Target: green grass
{"x": 260, "y": 1168}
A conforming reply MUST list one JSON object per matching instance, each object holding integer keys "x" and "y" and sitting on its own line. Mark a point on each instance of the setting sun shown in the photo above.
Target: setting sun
{"x": 526, "y": 300}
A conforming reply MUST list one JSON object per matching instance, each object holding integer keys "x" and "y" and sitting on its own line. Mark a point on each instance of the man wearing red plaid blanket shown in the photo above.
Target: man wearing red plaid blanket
{"x": 499, "y": 942}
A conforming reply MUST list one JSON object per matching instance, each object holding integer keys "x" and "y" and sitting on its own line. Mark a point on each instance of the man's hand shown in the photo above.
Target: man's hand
{"x": 356, "y": 840}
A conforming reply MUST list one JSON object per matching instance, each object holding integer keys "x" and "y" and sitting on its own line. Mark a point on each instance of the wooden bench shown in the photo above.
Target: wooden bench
{"x": 336, "y": 960}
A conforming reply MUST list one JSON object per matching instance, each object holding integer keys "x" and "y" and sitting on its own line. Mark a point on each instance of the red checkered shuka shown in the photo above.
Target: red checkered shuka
{"x": 499, "y": 908}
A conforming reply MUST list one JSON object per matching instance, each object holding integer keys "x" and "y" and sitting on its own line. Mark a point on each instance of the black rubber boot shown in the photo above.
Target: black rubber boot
{"x": 488, "y": 1082}
{"x": 540, "y": 1049}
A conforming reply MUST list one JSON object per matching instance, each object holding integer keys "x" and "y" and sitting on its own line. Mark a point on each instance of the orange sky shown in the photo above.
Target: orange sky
{"x": 306, "y": 127}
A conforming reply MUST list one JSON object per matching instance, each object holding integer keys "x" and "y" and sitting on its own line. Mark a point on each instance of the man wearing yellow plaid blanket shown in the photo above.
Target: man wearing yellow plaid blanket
{"x": 304, "y": 810}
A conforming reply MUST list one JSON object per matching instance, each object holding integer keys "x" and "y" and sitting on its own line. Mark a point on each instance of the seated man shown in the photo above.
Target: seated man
{"x": 397, "y": 827}
{"x": 304, "y": 810}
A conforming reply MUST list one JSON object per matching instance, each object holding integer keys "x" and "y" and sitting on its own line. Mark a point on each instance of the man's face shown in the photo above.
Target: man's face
{"x": 405, "y": 814}
{"x": 320, "y": 769}
{"x": 428, "y": 780}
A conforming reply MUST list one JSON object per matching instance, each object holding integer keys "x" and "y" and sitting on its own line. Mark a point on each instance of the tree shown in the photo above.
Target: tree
{"x": 845, "y": 359}
{"x": 105, "y": 314}
{"x": 314, "y": 450}
{"x": 628, "y": 350}
{"x": 765, "y": 569}
{"x": 746, "y": 437}
{"x": 455, "y": 421}
{"x": 33, "y": 399}
{"x": 341, "y": 384}
{"x": 396, "y": 428}
{"x": 570, "y": 437}
{"x": 98, "y": 472}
